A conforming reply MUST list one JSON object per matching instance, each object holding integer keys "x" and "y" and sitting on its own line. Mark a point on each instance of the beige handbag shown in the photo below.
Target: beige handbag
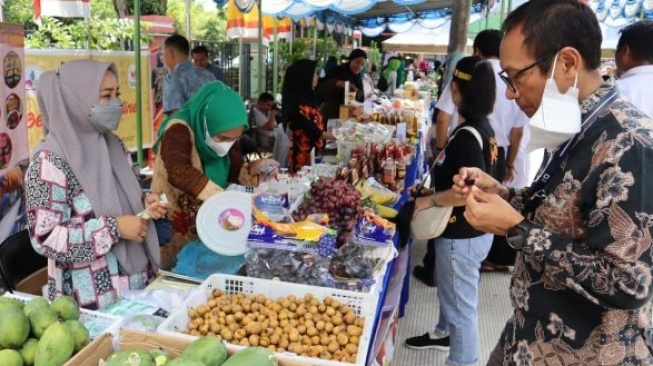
{"x": 432, "y": 222}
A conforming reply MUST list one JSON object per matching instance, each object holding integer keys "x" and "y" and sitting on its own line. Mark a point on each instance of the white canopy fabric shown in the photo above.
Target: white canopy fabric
{"x": 422, "y": 40}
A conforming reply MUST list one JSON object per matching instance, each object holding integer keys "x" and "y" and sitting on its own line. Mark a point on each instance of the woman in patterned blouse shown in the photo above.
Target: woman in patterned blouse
{"x": 302, "y": 114}
{"x": 82, "y": 194}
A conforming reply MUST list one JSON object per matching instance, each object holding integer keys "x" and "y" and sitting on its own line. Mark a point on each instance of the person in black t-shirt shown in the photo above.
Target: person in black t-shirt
{"x": 461, "y": 248}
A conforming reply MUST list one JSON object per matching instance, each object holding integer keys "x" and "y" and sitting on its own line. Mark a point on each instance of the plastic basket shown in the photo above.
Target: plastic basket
{"x": 364, "y": 304}
{"x": 97, "y": 323}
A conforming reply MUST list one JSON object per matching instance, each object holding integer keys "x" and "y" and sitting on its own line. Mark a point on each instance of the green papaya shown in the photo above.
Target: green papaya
{"x": 80, "y": 334}
{"x": 131, "y": 358}
{"x": 8, "y": 302}
{"x": 210, "y": 350}
{"x": 10, "y": 357}
{"x": 258, "y": 356}
{"x": 160, "y": 357}
{"x": 40, "y": 320}
{"x": 66, "y": 308}
{"x": 183, "y": 361}
{"x": 34, "y": 305}
{"x": 56, "y": 346}
{"x": 28, "y": 352}
{"x": 14, "y": 328}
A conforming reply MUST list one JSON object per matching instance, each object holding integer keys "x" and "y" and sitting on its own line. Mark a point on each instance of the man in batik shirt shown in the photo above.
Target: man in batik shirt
{"x": 582, "y": 279}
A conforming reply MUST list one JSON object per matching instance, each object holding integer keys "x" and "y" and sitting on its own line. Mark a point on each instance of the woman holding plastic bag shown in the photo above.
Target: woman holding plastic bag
{"x": 460, "y": 249}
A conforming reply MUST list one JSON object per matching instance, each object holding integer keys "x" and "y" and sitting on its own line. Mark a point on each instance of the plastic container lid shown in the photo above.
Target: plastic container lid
{"x": 224, "y": 221}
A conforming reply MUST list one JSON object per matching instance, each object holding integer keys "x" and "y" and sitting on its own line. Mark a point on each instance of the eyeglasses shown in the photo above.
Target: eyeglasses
{"x": 510, "y": 79}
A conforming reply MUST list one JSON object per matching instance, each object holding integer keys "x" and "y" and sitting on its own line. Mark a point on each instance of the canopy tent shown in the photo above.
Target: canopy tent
{"x": 371, "y": 17}
{"x": 422, "y": 40}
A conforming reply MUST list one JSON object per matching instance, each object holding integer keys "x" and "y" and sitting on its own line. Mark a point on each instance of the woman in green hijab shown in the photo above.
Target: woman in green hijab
{"x": 193, "y": 161}
{"x": 390, "y": 75}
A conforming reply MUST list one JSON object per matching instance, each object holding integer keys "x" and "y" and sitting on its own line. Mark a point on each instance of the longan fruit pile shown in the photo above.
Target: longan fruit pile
{"x": 304, "y": 325}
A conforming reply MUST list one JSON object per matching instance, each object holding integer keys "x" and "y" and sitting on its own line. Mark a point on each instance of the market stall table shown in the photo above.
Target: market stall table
{"x": 393, "y": 292}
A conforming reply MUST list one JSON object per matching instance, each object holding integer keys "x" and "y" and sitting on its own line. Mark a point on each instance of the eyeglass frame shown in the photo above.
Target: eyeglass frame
{"x": 509, "y": 79}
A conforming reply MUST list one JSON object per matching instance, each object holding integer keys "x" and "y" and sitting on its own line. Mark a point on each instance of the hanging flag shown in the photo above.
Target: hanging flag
{"x": 62, "y": 8}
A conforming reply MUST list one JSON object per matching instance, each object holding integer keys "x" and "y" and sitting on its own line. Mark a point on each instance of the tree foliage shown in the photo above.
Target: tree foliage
{"x": 206, "y": 24}
{"x": 148, "y": 7}
{"x": 101, "y": 34}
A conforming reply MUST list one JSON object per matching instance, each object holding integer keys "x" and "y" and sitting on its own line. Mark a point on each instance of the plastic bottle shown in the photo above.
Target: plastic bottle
{"x": 389, "y": 171}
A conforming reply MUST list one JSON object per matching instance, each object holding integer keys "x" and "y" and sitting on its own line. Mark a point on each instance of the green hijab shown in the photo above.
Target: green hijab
{"x": 393, "y": 65}
{"x": 401, "y": 73}
{"x": 216, "y": 108}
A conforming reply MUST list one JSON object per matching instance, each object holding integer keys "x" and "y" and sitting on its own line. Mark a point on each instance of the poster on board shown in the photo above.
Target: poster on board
{"x": 14, "y": 149}
{"x": 41, "y": 60}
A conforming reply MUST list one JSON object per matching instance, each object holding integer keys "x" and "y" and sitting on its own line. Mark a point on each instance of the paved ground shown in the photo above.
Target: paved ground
{"x": 421, "y": 314}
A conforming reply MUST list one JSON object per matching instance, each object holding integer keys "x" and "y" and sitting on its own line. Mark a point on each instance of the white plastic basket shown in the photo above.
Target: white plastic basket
{"x": 97, "y": 323}
{"x": 176, "y": 325}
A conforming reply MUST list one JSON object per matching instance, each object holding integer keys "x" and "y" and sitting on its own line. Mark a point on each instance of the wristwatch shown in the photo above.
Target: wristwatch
{"x": 516, "y": 235}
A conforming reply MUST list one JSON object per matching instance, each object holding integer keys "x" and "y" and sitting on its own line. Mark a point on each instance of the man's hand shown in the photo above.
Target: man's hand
{"x": 474, "y": 177}
{"x": 490, "y": 213}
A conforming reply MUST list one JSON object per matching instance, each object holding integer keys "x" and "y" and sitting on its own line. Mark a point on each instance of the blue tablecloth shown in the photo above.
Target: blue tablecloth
{"x": 397, "y": 279}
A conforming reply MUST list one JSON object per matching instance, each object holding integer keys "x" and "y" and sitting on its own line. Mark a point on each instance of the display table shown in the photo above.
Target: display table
{"x": 393, "y": 293}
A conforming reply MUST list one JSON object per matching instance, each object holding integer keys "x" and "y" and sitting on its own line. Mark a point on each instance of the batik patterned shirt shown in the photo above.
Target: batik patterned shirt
{"x": 182, "y": 83}
{"x": 64, "y": 228}
{"x": 582, "y": 283}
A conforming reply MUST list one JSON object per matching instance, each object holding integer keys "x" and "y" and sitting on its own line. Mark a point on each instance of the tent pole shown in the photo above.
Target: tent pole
{"x": 261, "y": 66}
{"x": 275, "y": 62}
{"x": 292, "y": 34}
{"x": 139, "y": 106}
{"x": 457, "y": 35}
{"x": 241, "y": 73}
{"x": 188, "y": 5}
{"x": 326, "y": 42}
{"x": 315, "y": 41}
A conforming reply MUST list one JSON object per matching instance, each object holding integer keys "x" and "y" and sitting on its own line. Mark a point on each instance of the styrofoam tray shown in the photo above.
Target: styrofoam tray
{"x": 364, "y": 304}
{"x": 97, "y": 323}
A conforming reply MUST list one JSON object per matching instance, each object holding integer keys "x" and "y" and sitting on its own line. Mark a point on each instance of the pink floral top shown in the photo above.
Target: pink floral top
{"x": 64, "y": 228}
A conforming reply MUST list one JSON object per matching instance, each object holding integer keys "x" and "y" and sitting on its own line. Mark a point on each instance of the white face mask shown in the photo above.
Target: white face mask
{"x": 558, "y": 118}
{"x": 220, "y": 148}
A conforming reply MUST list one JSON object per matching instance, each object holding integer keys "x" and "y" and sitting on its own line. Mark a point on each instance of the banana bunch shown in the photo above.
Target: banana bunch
{"x": 378, "y": 196}
{"x": 386, "y": 212}
{"x": 377, "y": 200}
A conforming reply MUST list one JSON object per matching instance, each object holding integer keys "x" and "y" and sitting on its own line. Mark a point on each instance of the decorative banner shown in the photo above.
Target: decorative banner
{"x": 14, "y": 152}
{"x": 245, "y": 24}
{"x": 62, "y": 8}
{"x": 13, "y": 126}
{"x": 39, "y": 61}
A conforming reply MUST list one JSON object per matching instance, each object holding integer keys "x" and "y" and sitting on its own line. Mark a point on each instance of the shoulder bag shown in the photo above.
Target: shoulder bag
{"x": 432, "y": 222}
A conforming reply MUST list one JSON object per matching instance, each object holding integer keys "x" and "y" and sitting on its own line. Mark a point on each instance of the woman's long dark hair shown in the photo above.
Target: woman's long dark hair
{"x": 298, "y": 87}
{"x": 475, "y": 80}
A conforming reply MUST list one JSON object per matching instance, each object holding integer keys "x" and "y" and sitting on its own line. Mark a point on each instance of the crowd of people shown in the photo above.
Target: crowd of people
{"x": 577, "y": 238}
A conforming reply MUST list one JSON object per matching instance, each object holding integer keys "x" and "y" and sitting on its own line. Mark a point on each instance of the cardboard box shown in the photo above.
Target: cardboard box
{"x": 102, "y": 347}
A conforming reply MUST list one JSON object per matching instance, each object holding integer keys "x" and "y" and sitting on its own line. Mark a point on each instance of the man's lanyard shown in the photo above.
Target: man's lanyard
{"x": 537, "y": 189}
